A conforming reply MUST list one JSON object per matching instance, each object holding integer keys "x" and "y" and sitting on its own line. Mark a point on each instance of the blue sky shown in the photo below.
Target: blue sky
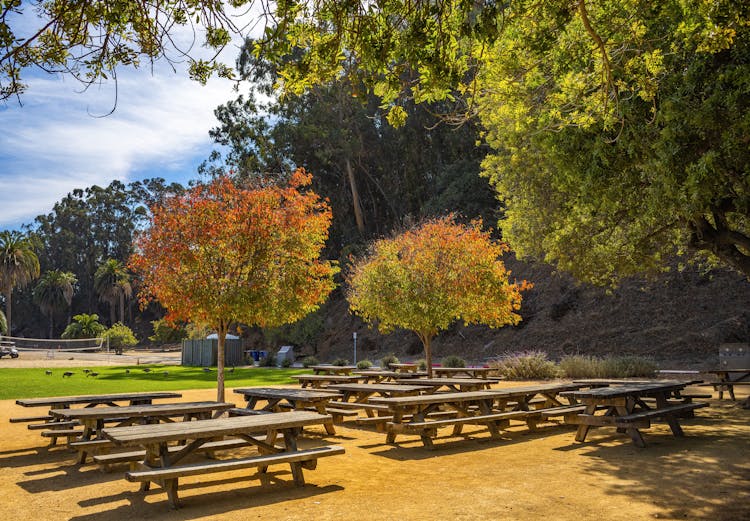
{"x": 56, "y": 140}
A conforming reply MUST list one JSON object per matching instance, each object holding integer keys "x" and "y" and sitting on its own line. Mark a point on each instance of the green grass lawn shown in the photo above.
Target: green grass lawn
{"x": 35, "y": 383}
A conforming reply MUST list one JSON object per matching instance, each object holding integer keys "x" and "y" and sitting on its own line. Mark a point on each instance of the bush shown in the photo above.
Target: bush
{"x": 580, "y": 366}
{"x": 340, "y": 362}
{"x": 364, "y": 365}
{"x": 310, "y": 361}
{"x": 166, "y": 334}
{"x": 387, "y": 360}
{"x": 84, "y": 326}
{"x": 286, "y": 363}
{"x": 527, "y": 365}
{"x": 268, "y": 361}
{"x": 452, "y": 361}
{"x": 421, "y": 364}
{"x": 196, "y": 332}
{"x": 119, "y": 336}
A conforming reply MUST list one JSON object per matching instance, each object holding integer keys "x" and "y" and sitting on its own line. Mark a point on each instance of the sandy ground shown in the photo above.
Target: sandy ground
{"x": 523, "y": 476}
{"x": 53, "y": 358}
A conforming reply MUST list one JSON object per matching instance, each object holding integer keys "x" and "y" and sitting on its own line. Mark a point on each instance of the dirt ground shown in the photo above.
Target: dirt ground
{"x": 523, "y": 476}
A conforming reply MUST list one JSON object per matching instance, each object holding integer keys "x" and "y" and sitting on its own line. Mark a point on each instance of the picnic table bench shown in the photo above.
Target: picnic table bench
{"x": 381, "y": 376}
{"x": 727, "y": 380}
{"x": 469, "y": 372}
{"x": 164, "y": 465}
{"x": 449, "y": 384}
{"x": 413, "y": 414}
{"x": 94, "y": 418}
{"x": 280, "y": 399}
{"x": 87, "y": 400}
{"x": 625, "y": 407}
{"x": 356, "y": 396}
{"x": 318, "y": 381}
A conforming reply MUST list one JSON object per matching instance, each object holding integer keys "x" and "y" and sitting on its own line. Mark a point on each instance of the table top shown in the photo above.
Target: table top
{"x": 437, "y": 382}
{"x": 135, "y": 411}
{"x": 328, "y": 367}
{"x": 461, "y": 369}
{"x": 280, "y": 393}
{"x": 201, "y": 429}
{"x": 96, "y": 398}
{"x": 619, "y": 391}
{"x": 624, "y": 381}
{"x": 327, "y": 377}
{"x": 435, "y": 398}
{"x": 535, "y": 389}
{"x": 377, "y": 388}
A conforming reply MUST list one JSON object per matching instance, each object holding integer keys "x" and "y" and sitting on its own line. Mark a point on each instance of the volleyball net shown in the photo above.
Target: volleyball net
{"x": 77, "y": 345}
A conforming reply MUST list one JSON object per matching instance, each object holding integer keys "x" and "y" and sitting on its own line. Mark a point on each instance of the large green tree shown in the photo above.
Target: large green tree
{"x": 112, "y": 284}
{"x": 620, "y": 125}
{"x": 54, "y": 293}
{"x": 19, "y": 265}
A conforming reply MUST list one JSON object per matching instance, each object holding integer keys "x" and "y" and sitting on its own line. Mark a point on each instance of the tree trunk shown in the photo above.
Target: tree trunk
{"x": 112, "y": 313}
{"x": 51, "y": 324}
{"x": 355, "y": 198}
{"x": 426, "y": 341}
{"x": 222, "y": 333}
{"x": 122, "y": 307}
{"x": 8, "y": 308}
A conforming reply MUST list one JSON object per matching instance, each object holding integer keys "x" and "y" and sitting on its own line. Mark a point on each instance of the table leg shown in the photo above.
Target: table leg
{"x": 328, "y": 425}
{"x": 290, "y": 443}
{"x": 398, "y": 416}
{"x": 583, "y": 429}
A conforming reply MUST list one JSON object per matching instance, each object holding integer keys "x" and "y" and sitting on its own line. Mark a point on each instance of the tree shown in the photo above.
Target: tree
{"x": 638, "y": 110}
{"x": 19, "y": 265}
{"x": 3, "y": 323}
{"x": 90, "y": 40}
{"x": 426, "y": 278}
{"x": 54, "y": 293}
{"x": 112, "y": 283}
{"x": 84, "y": 326}
{"x": 224, "y": 254}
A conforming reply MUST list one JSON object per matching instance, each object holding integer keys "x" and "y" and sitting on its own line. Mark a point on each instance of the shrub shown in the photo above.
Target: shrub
{"x": 580, "y": 366}
{"x": 310, "y": 361}
{"x": 387, "y": 360}
{"x": 286, "y": 363}
{"x": 527, "y": 365}
{"x": 340, "y": 362}
{"x": 119, "y": 336}
{"x": 421, "y": 364}
{"x": 268, "y": 361}
{"x": 364, "y": 364}
{"x": 84, "y": 326}
{"x": 166, "y": 334}
{"x": 452, "y": 361}
{"x": 196, "y": 332}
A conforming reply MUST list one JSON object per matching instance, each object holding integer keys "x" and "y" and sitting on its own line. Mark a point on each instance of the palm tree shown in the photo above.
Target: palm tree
{"x": 3, "y": 323}
{"x": 112, "y": 283}
{"x": 84, "y": 326}
{"x": 19, "y": 265}
{"x": 54, "y": 293}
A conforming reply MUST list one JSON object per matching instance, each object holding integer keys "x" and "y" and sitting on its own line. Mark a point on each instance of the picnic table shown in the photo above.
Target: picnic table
{"x": 470, "y": 372}
{"x": 449, "y": 384}
{"x": 279, "y": 399}
{"x": 381, "y": 376}
{"x": 319, "y": 381}
{"x": 333, "y": 369}
{"x": 94, "y": 418}
{"x": 423, "y": 415}
{"x": 404, "y": 367}
{"x": 630, "y": 407}
{"x": 163, "y": 465}
{"x": 727, "y": 379}
{"x": 59, "y": 429}
{"x": 356, "y": 396}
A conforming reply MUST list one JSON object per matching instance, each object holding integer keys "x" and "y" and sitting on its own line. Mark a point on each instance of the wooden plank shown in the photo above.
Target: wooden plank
{"x": 96, "y": 398}
{"x": 483, "y": 418}
{"x": 137, "y": 411}
{"x": 660, "y": 412}
{"x": 136, "y": 455}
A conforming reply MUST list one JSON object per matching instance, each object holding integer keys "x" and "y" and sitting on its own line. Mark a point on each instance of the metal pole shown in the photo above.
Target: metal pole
{"x": 355, "y": 347}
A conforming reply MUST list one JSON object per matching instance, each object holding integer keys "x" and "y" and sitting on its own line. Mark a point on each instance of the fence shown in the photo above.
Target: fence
{"x": 204, "y": 352}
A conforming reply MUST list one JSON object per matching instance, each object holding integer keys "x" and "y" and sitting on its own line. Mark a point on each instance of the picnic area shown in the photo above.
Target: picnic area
{"x": 516, "y": 471}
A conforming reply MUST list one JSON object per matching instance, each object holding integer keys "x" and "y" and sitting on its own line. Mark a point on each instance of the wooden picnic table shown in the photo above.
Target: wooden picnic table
{"x": 404, "y": 367}
{"x": 625, "y": 407}
{"x": 470, "y": 372}
{"x": 450, "y": 384}
{"x": 415, "y": 414}
{"x": 333, "y": 369}
{"x": 279, "y": 399}
{"x": 728, "y": 379}
{"x": 94, "y": 418}
{"x": 163, "y": 465}
{"x": 323, "y": 380}
{"x": 522, "y": 397}
{"x": 356, "y": 396}
{"x": 86, "y": 400}
{"x": 381, "y": 376}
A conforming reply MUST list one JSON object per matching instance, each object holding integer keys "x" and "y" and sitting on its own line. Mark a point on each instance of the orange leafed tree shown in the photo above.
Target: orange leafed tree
{"x": 223, "y": 254}
{"x": 427, "y": 278}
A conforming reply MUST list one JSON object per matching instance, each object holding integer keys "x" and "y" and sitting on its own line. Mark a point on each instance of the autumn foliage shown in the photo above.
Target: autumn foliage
{"x": 223, "y": 254}
{"x": 427, "y": 278}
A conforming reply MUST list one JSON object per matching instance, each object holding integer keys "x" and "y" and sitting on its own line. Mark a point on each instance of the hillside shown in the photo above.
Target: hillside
{"x": 679, "y": 319}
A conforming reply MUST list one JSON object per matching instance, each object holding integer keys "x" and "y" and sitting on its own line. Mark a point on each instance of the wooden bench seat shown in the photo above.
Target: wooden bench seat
{"x": 54, "y": 425}
{"x": 70, "y": 434}
{"x": 31, "y": 419}
{"x": 483, "y": 418}
{"x": 357, "y": 405}
{"x": 340, "y": 414}
{"x": 553, "y": 412}
{"x": 657, "y": 413}
{"x": 138, "y": 455}
{"x": 169, "y": 476}
{"x": 241, "y": 411}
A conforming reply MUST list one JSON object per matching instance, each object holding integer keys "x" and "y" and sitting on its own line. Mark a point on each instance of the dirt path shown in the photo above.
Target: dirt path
{"x": 524, "y": 476}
